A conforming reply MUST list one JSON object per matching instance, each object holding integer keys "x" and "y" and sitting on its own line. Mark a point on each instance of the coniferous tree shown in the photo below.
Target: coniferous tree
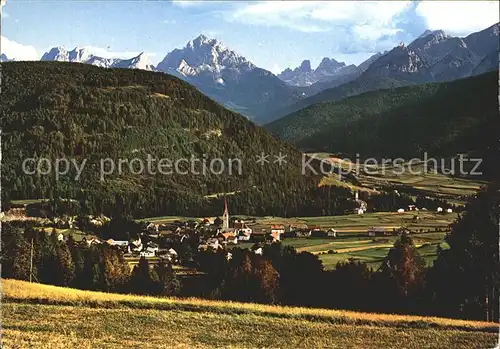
{"x": 15, "y": 257}
{"x": 141, "y": 280}
{"x": 64, "y": 273}
{"x": 404, "y": 265}
{"x": 465, "y": 279}
{"x": 168, "y": 283}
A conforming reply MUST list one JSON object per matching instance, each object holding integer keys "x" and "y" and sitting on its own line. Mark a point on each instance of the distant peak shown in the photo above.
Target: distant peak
{"x": 202, "y": 37}
{"x": 202, "y": 40}
{"x": 330, "y": 64}
{"x": 305, "y": 65}
{"x": 435, "y": 33}
{"x": 328, "y": 60}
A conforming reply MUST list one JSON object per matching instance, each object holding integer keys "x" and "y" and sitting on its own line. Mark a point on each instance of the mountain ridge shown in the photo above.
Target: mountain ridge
{"x": 442, "y": 119}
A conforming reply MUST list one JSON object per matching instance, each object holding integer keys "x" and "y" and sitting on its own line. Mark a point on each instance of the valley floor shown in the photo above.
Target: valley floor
{"x": 40, "y": 316}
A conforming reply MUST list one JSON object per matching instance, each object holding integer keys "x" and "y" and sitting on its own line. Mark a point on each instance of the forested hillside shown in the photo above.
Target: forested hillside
{"x": 441, "y": 119}
{"x": 56, "y": 110}
{"x": 351, "y": 88}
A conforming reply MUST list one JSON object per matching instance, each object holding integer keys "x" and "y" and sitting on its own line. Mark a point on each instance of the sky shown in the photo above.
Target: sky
{"x": 271, "y": 34}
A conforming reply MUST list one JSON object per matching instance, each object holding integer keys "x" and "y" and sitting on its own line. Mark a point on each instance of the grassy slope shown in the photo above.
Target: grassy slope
{"x": 83, "y": 319}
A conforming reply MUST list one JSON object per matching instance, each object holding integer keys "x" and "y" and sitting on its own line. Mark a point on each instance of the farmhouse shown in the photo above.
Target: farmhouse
{"x": 299, "y": 233}
{"x": 331, "y": 233}
{"x": 278, "y": 229}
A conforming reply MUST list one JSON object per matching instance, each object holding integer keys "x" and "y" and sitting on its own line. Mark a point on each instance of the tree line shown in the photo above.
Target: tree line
{"x": 38, "y": 256}
{"x": 463, "y": 281}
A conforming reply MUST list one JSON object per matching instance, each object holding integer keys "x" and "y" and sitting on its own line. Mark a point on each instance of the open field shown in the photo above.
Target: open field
{"x": 369, "y": 250}
{"x": 420, "y": 177}
{"x": 39, "y": 316}
{"x": 352, "y": 241}
{"x": 78, "y": 235}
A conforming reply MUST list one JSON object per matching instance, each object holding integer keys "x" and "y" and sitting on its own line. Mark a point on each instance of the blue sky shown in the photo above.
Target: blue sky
{"x": 273, "y": 35}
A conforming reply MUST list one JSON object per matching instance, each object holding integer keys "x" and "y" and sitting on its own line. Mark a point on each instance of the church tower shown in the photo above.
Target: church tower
{"x": 225, "y": 216}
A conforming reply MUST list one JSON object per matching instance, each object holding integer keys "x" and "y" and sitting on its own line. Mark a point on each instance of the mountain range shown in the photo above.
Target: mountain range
{"x": 229, "y": 78}
{"x": 442, "y": 119}
{"x": 85, "y": 55}
{"x": 433, "y": 57}
{"x": 238, "y": 84}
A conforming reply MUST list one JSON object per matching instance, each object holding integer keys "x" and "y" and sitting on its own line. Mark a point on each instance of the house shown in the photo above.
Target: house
{"x": 377, "y": 231}
{"x": 152, "y": 227}
{"x": 244, "y": 235}
{"x": 135, "y": 245}
{"x": 170, "y": 255}
{"x": 401, "y": 210}
{"x": 439, "y": 210}
{"x": 117, "y": 243}
{"x": 228, "y": 237}
{"x": 412, "y": 208}
{"x": 91, "y": 241}
{"x": 60, "y": 237}
{"x": 242, "y": 231}
{"x": 274, "y": 236}
{"x": 449, "y": 210}
{"x": 147, "y": 253}
{"x": 229, "y": 256}
{"x": 278, "y": 229}
{"x": 258, "y": 251}
{"x": 302, "y": 233}
{"x": 313, "y": 228}
{"x": 151, "y": 246}
{"x": 332, "y": 233}
{"x": 213, "y": 243}
{"x": 207, "y": 221}
{"x": 359, "y": 211}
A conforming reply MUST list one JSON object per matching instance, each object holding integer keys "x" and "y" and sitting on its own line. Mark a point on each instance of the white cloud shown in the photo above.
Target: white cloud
{"x": 190, "y": 3}
{"x": 459, "y": 17}
{"x": 315, "y": 16}
{"x": 275, "y": 69}
{"x": 14, "y": 50}
{"x": 102, "y": 52}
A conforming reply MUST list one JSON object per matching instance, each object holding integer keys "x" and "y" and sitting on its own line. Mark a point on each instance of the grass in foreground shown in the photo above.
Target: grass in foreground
{"x": 37, "y": 315}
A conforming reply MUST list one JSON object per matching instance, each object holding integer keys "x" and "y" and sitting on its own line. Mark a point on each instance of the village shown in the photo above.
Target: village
{"x": 161, "y": 241}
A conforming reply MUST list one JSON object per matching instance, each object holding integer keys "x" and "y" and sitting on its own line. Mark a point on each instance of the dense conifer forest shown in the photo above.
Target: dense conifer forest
{"x": 79, "y": 112}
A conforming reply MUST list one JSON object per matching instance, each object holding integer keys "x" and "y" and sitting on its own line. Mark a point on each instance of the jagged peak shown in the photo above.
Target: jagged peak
{"x": 202, "y": 40}
{"x": 436, "y": 33}
{"x": 305, "y": 65}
